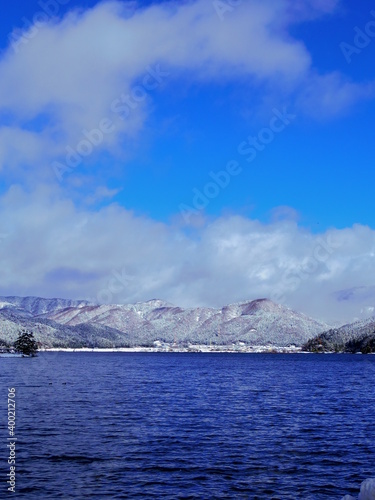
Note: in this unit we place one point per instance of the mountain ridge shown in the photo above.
(67, 323)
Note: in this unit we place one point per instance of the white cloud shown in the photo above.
(69, 75)
(301, 10)
(101, 193)
(54, 249)
(20, 147)
(331, 94)
(79, 65)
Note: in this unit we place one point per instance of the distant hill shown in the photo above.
(354, 337)
(66, 323)
(51, 334)
(34, 306)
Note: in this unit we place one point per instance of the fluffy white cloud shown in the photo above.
(77, 67)
(105, 63)
(51, 248)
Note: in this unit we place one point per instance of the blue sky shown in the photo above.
(225, 71)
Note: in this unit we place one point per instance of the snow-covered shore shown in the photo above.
(177, 348)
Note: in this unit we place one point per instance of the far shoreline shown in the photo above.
(191, 349)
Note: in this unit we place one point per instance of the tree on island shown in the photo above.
(26, 344)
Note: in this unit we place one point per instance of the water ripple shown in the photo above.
(193, 426)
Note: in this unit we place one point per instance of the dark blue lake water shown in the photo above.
(189, 426)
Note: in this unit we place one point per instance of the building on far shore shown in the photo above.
(6, 350)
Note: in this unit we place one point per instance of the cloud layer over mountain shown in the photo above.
(51, 248)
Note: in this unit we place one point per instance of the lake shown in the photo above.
(189, 425)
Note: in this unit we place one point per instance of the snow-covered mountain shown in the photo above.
(34, 306)
(60, 322)
(353, 337)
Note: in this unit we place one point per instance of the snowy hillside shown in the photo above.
(60, 322)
